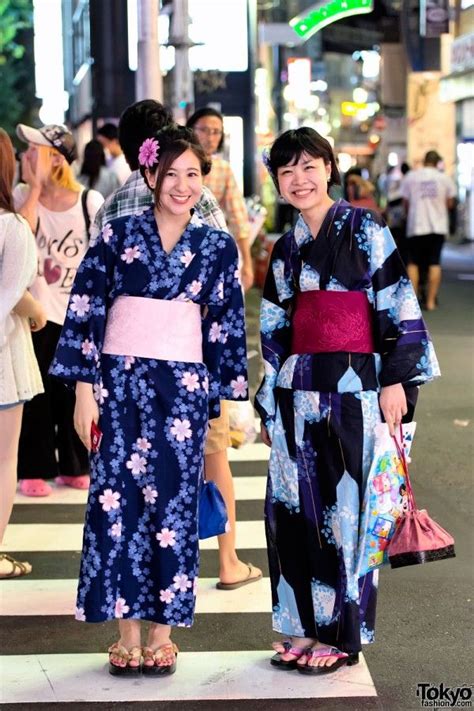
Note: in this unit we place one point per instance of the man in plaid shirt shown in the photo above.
(138, 122)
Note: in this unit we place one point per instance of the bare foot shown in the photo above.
(296, 643)
(11, 568)
(323, 661)
(238, 572)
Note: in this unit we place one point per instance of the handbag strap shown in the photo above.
(402, 456)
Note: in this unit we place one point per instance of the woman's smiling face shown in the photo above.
(304, 184)
(182, 185)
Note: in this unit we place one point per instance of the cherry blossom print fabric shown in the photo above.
(140, 550)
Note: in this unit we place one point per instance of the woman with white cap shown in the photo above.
(59, 212)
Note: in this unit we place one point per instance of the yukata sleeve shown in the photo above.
(275, 330)
(223, 333)
(80, 345)
(406, 349)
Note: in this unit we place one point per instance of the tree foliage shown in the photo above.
(17, 87)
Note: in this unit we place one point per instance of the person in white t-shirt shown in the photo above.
(108, 136)
(428, 195)
(59, 212)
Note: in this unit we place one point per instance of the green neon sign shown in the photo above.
(324, 13)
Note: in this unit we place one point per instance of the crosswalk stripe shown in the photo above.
(246, 488)
(33, 606)
(57, 597)
(202, 676)
(68, 537)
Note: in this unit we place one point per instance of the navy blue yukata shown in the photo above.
(320, 410)
(140, 553)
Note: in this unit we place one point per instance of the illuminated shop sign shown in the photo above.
(324, 13)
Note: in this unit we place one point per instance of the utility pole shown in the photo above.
(148, 80)
(183, 94)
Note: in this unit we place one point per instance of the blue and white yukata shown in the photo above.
(140, 550)
(320, 410)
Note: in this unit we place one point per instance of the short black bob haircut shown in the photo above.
(174, 141)
(203, 112)
(288, 148)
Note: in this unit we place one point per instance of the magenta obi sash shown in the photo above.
(330, 321)
(154, 328)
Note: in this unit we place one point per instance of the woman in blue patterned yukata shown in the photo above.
(344, 344)
(154, 338)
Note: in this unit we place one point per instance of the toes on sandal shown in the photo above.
(127, 655)
(166, 653)
(342, 659)
(297, 652)
(18, 568)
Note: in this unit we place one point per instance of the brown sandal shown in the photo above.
(166, 654)
(18, 568)
(127, 655)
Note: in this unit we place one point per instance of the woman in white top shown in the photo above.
(59, 211)
(20, 313)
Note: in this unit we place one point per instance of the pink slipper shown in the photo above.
(76, 482)
(35, 487)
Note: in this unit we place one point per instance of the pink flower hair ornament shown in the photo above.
(148, 153)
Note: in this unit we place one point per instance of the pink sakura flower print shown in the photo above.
(205, 384)
(79, 614)
(220, 290)
(239, 386)
(137, 464)
(109, 500)
(107, 232)
(150, 494)
(87, 347)
(80, 304)
(195, 287)
(190, 381)
(237, 277)
(181, 582)
(215, 332)
(121, 607)
(148, 153)
(116, 530)
(166, 596)
(100, 393)
(181, 429)
(129, 361)
(187, 257)
(166, 538)
(143, 444)
(130, 254)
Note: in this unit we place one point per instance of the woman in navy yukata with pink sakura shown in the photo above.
(154, 338)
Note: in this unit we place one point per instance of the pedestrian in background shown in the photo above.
(108, 136)
(59, 211)
(209, 126)
(148, 276)
(94, 172)
(429, 195)
(326, 386)
(20, 313)
(137, 123)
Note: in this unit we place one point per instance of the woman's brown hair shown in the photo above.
(7, 172)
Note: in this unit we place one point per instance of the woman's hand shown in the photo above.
(393, 403)
(86, 411)
(38, 318)
(265, 436)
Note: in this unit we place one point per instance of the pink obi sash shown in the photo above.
(154, 328)
(330, 321)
